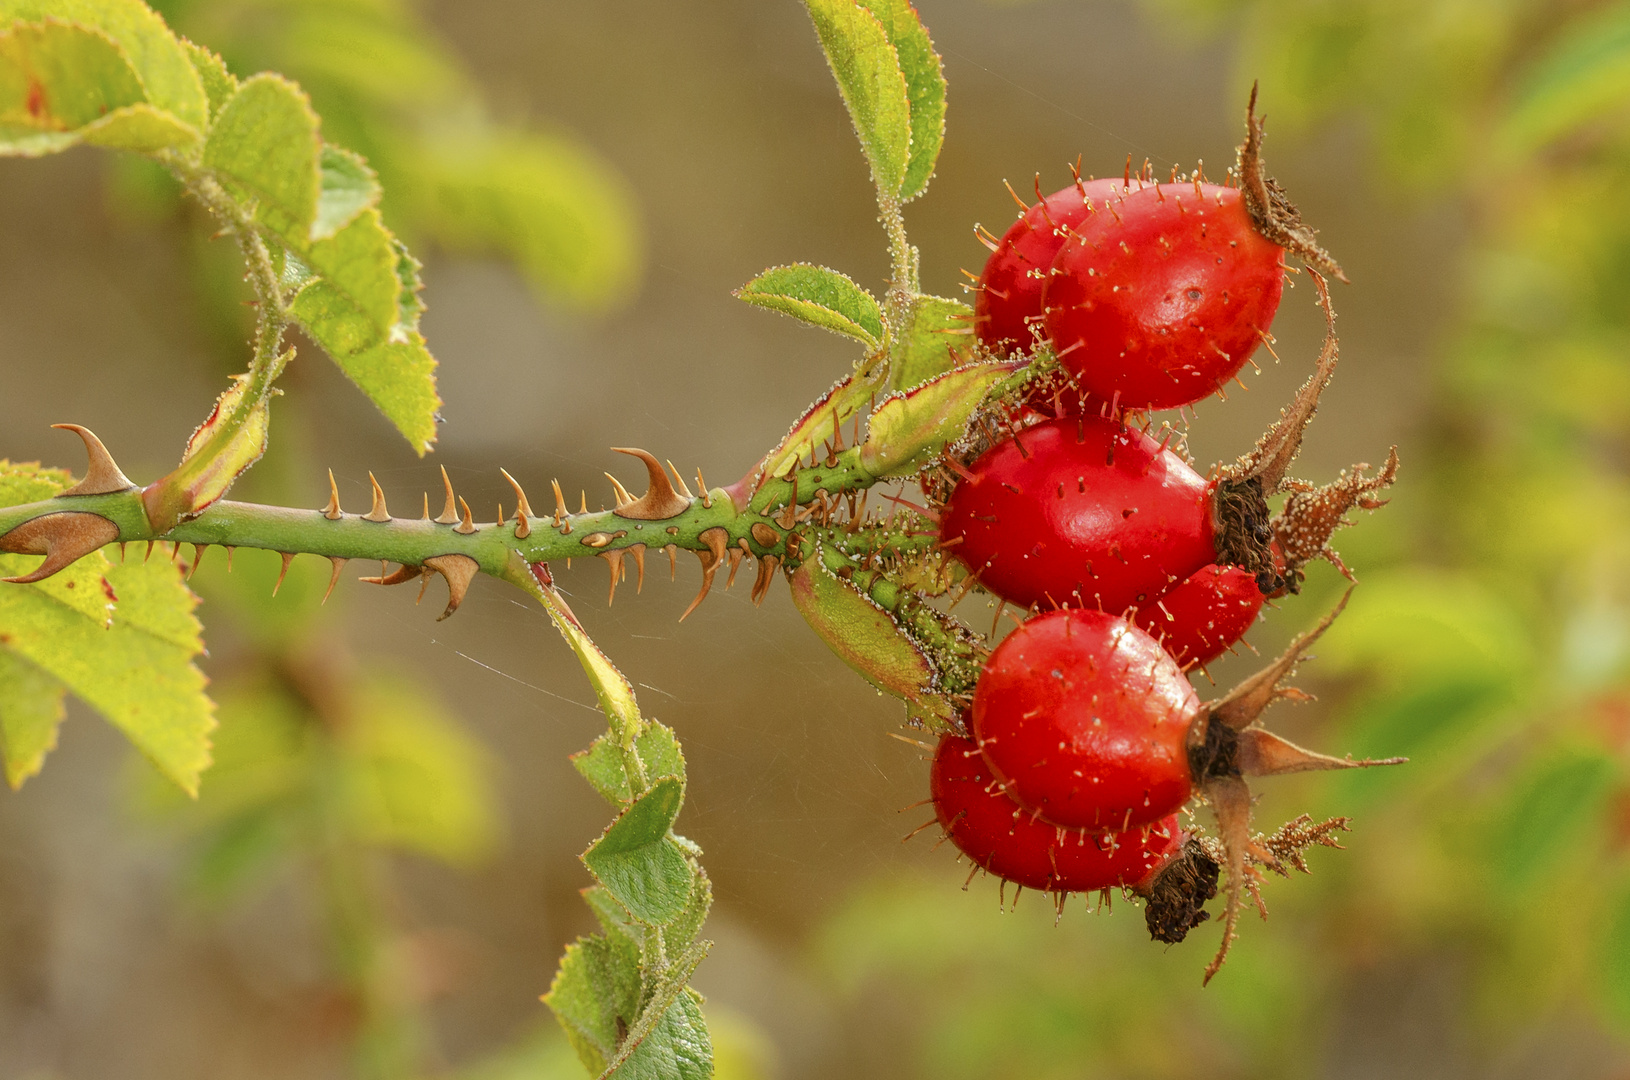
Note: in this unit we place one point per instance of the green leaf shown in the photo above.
(30, 711)
(264, 144)
(219, 84)
(688, 923)
(348, 188)
(864, 636)
(830, 411)
(595, 998)
(415, 778)
(1548, 813)
(925, 86)
(677, 1048)
(602, 765)
(168, 79)
(564, 216)
(820, 296)
(638, 862)
(140, 129)
(54, 80)
(872, 84)
(935, 340)
(1582, 77)
(909, 429)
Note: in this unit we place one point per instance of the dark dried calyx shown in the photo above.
(1179, 893)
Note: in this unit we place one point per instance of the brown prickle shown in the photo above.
(680, 480)
(623, 497)
(63, 539)
(523, 528)
(449, 510)
(1242, 705)
(402, 573)
(102, 475)
(467, 526)
(638, 551)
(660, 500)
(701, 486)
(332, 511)
(334, 577)
(737, 553)
(459, 570)
(1271, 210)
(673, 561)
(288, 557)
(715, 538)
(377, 512)
(766, 574)
(614, 559)
(561, 523)
(197, 557)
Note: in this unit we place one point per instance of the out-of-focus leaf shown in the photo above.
(168, 79)
(264, 143)
(933, 342)
(1582, 77)
(219, 84)
(1614, 956)
(30, 712)
(55, 79)
(141, 129)
(415, 778)
(872, 84)
(925, 86)
(1548, 812)
(820, 296)
(637, 861)
(565, 216)
(135, 668)
(372, 50)
(348, 188)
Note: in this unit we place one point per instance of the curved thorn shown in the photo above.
(377, 512)
(63, 539)
(523, 528)
(402, 573)
(459, 570)
(766, 575)
(623, 497)
(334, 578)
(102, 475)
(449, 510)
(288, 557)
(467, 526)
(614, 559)
(660, 500)
(673, 561)
(638, 551)
(715, 539)
(737, 553)
(332, 511)
(560, 506)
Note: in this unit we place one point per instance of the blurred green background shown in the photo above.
(381, 872)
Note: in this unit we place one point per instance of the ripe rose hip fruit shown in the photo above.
(1085, 719)
(1161, 301)
(1079, 511)
(1008, 841)
(1200, 617)
(1007, 306)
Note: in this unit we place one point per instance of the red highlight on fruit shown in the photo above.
(1080, 512)
(1005, 840)
(1086, 720)
(1161, 301)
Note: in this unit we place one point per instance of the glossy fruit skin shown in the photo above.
(1007, 306)
(998, 835)
(1202, 616)
(1162, 301)
(1085, 719)
(1080, 511)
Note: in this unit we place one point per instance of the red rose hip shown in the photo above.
(1008, 841)
(1007, 306)
(1162, 300)
(1080, 512)
(1085, 719)
(1202, 616)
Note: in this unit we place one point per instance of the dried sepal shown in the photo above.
(1271, 210)
(1311, 515)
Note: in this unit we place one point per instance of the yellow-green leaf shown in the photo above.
(30, 711)
(819, 296)
(867, 69)
(54, 80)
(925, 86)
(264, 144)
